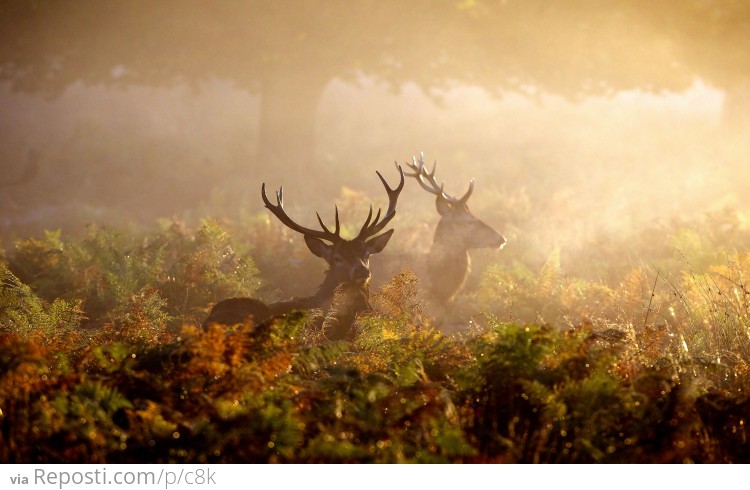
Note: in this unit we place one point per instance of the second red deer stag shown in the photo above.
(348, 272)
(457, 232)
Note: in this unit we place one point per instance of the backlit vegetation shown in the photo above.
(587, 356)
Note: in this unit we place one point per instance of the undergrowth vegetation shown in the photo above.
(102, 358)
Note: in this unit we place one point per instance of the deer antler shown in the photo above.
(368, 229)
(427, 180)
(371, 229)
(278, 210)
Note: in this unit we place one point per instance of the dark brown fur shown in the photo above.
(348, 272)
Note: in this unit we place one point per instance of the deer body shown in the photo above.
(348, 272)
(234, 311)
(447, 270)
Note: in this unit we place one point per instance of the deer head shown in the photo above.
(348, 260)
(458, 228)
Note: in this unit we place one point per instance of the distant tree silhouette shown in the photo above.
(289, 50)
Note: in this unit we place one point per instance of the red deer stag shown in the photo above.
(457, 232)
(349, 269)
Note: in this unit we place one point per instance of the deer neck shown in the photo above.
(341, 303)
(324, 297)
(449, 266)
(331, 287)
(342, 310)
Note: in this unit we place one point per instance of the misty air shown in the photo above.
(383, 232)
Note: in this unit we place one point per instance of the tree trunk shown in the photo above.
(286, 143)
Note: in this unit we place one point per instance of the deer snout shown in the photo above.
(501, 241)
(360, 274)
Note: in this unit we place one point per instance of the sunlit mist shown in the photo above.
(575, 122)
(358, 231)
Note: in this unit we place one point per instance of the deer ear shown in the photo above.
(377, 244)
(443, 205)
(319, 247)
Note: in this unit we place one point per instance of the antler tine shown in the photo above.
(466, 196)
(368, 229)
(430, 176)
(426, 179)
(367, 221)
(278, 210)
(338, 225)
(392, 193)
(416, 167)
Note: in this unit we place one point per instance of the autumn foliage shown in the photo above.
(102, 360)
